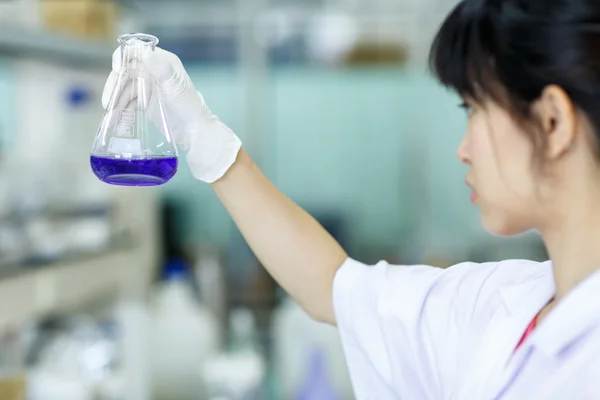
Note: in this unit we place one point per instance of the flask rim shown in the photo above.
(143, 39)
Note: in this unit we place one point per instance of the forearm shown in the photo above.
(295, 249)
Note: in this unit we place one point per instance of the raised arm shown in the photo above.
(295, 249)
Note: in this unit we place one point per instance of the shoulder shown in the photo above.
(500, 272)
(354, 275)
(412, 290)
(466, 283)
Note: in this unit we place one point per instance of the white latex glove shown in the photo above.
(210, 146)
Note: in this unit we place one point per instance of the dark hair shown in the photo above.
(510, 50)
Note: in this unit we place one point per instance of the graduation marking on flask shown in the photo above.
(126, 122)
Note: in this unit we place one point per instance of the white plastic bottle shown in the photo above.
(304, 349)
(238, 373)
(132, 380)
(184, 336)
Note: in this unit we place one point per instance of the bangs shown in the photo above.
(462, 53)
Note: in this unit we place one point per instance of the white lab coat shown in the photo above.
(418, 332)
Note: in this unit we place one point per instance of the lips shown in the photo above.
(473, 192)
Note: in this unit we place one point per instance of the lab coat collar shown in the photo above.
(524, 300)
(572, 318)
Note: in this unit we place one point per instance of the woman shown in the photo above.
(529, 74)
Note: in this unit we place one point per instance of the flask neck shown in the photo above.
(132, 54)
(133, 47)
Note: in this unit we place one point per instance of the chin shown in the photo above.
(504, 226)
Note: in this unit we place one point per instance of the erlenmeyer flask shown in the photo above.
(133, 146)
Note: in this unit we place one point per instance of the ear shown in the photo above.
(558, 119)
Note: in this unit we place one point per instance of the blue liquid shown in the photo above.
(146, 171)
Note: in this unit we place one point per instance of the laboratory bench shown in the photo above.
(124, 268)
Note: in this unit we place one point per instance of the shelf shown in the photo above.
(63, 286)
(72, 284)
(55, 47)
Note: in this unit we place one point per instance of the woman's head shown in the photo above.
(529, 73)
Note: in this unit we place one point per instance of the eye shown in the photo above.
(467, 107)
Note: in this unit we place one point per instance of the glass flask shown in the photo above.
(133, 145)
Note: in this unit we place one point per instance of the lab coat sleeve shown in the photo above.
(406, 325)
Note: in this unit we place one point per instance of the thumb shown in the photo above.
(117, 59)
(109, 88)
(111, 82)
(160, 64)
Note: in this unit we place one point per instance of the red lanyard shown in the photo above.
(530, 328)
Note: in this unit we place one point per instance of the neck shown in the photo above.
(572, 242)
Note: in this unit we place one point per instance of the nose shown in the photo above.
(462, 152)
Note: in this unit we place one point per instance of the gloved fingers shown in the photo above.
(121, 92)
(112, 81)
(117, 56)
(156, 114)
(109, 88)
(159, 63)
(128, 94)
(169, 72)
(116, 59)
(111, 95)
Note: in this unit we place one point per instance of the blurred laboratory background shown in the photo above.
(114, 293)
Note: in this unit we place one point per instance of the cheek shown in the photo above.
(502, 163)
(514, 151)
(484, 154)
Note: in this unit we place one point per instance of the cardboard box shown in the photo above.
(13, 388)
(95, 19)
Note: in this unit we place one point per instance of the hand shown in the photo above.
(210, 146)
